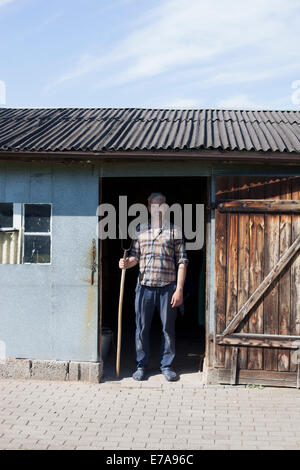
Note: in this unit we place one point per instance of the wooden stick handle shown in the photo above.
(120, 317)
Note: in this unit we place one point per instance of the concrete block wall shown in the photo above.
(51, 370)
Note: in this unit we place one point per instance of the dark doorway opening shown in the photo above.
(190, 325)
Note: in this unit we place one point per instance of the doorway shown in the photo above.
(190, 322)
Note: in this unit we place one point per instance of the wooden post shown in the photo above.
(234, 363)
(120, 317)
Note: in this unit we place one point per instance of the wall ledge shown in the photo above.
(37, 369)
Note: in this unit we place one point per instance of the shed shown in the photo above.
(59, 282)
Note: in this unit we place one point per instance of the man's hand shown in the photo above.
(177, 298)
(125, 263)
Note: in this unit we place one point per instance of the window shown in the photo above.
(25, 233)
(37, 233)
(10, 233)
(6, 215)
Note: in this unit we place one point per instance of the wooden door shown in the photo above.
(257, 279)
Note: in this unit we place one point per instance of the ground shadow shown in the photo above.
(188, 360)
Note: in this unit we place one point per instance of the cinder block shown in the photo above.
(49, 370)
(86, 371)
(15, 368)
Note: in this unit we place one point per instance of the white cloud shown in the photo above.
(86, 64)
(236, 75)
(239, 101)
(4, 2)
(182, 103)
(178, 34)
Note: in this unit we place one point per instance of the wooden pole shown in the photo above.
(120, 317)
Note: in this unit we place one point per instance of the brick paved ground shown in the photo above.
(148, 415)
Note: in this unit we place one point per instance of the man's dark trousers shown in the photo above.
(146, 299)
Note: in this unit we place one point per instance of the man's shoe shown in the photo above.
(139, 374)
(170, 375)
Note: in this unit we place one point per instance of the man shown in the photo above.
(160, 251)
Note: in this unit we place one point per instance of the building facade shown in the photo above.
(53, 166)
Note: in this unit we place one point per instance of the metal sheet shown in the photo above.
(148, 129)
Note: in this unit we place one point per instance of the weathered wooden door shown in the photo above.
(257, 280)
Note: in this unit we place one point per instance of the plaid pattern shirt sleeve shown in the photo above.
(180, 252)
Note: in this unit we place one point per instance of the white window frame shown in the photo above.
(48, 234)
(17, 217)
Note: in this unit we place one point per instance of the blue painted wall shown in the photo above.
(50, 312)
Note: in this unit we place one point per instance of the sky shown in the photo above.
(224, 54)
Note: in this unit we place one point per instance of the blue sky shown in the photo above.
(148, 53)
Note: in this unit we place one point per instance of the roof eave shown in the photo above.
(157, 155)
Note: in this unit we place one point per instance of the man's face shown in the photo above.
(153, 206)
(157, 209)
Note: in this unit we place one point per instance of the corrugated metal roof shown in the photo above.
(107, 129)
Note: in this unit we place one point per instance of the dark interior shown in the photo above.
(190, 326)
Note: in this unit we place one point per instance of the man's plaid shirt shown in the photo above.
(159, 252)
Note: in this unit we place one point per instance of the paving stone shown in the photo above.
(75, 415)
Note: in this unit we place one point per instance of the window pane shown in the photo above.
(6, 215)
(36, 249)
(37, 217)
